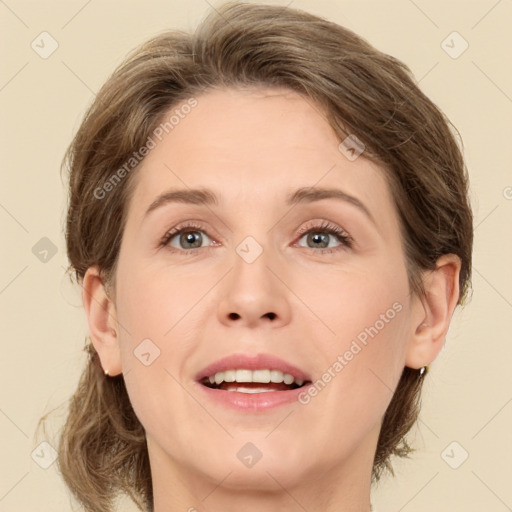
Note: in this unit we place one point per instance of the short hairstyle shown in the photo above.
(362, 91)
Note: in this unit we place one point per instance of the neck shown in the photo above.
(337, 488)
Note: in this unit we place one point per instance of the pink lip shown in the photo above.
(252, 401)
(252, 362)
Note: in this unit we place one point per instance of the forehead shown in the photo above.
(254, 145)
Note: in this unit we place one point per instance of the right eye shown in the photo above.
(184, 234)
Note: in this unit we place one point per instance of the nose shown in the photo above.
(254, 294)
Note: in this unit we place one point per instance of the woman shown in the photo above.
(271, 225)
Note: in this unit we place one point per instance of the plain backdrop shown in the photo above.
(464, 436)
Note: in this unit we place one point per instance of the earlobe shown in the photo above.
(101, 317)
(433, 312)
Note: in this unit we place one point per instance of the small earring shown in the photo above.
(423, 370)
(106, 373)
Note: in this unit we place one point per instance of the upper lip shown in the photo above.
(252, 362)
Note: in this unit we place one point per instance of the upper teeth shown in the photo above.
(263, 376)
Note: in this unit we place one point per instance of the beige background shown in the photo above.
(468, 395)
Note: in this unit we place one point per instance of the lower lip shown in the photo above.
(252, 401)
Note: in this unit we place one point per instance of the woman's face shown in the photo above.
(259, 275)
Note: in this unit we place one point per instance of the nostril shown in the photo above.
(234, 316)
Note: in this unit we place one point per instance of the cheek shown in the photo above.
(152, 304)
(159, 313)
(359, 371)
(150, 310)
(360, 364)
(362, 303)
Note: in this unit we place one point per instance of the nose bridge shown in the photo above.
(253, 292)
(255, 246)
(251, 262)
(252, 238)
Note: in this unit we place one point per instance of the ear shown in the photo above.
(433, 312)
(102, 320)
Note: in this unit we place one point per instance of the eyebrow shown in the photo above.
(206, 197)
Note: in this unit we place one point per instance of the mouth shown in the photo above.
(253, 381)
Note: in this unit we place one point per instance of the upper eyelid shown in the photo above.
(310, 226)
(315, 224)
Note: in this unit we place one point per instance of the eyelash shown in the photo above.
(326, 227)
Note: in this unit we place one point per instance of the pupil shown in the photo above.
(318, 238)
(189, 238)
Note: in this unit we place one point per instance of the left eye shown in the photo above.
(321, 235)
(320, 239)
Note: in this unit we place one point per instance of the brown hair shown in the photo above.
(363, 92)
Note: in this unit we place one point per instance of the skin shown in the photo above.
(252, 148)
